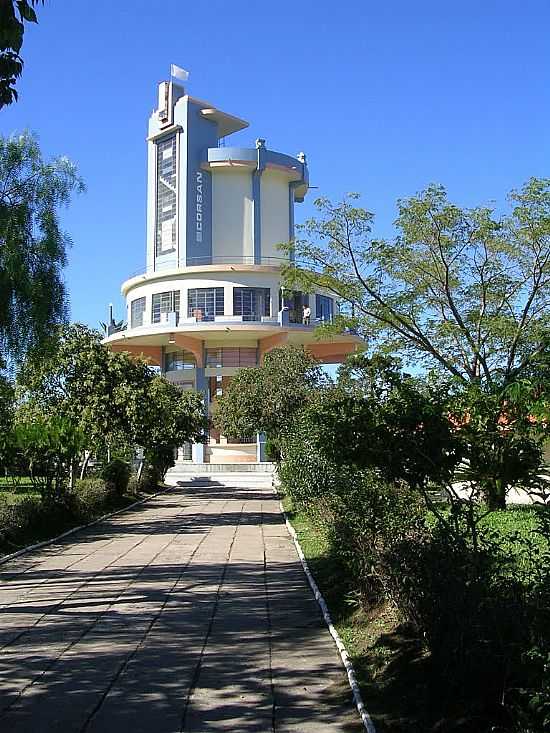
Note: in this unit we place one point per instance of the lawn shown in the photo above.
(14, 490)
(387, 657)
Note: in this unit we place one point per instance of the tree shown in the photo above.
(32, 244)
(463, 290)
(168, 418)
(116, 400)
(266, 398)
(13, 16)
(6, 418)
(377, 417)
(49, 447)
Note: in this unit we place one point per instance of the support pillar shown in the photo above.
(197, 453)
(261, 439)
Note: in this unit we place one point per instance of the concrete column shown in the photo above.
(201, 385)
(261, 439)
(197, 453)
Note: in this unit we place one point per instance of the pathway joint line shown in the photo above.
(269, 627)
(346, 661)
(99, 616)
(197, 671)
(131, 654)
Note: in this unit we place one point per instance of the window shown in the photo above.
(205, 303)
(295, 301)
(231, 357)
(164, 303)
(166, 196)
(251, 303)
(177, 360)
(324, 308)
(137, 309)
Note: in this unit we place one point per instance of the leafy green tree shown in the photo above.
(75, 376)
(50, 446)
(32, 244)
(266, 398)
(463, 290)
(168, 418)
(115, 399)
(13, 16)
(7, 408)
(502, 441)
(377, 417)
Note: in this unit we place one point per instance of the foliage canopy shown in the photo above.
(464, 290)
(33, 246)
(13, 16)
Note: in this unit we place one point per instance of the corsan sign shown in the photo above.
(198, 209)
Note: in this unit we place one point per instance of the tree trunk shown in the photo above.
(496, 495)
(85, 462)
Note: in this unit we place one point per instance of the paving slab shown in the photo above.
(188, 614)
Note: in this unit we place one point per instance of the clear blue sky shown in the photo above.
(384, 97)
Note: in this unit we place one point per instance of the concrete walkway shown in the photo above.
(190, 613)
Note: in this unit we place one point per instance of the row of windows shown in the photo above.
(217, 358)
(166, 219)
(205, 304)
(231, 357)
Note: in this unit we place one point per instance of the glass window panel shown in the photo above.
(168, 302)
(178, 360)
(231, 357)
(251, 303)
(205, 303)
(166, 196)
(324, 308)
(137, 309)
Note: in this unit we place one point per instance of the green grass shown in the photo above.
(388, 659)
(14, 490)
(392, 666)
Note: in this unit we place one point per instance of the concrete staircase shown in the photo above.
(243, 474)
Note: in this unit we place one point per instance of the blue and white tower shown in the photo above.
(209, 300)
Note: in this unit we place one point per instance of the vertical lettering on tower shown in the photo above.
(199, 183)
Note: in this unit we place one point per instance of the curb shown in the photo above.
(45, 543)
(346, 661)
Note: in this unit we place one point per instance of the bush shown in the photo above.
(160, 460)
(134, 486)
(150, 478)
(363, 515)
(93, 495)
(483, 607)
(117, 474)
(31, 520)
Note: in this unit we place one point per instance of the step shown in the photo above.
(196, 469)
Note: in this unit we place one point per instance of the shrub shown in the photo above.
(363, 514)
(160, 460)
(150, 478)
(31, 520)
(93, 495)
(134, 485)
(117, 474)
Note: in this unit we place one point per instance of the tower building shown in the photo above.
(210, 299)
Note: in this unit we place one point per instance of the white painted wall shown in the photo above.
(183, 282)
(232, 215)
(274, 211)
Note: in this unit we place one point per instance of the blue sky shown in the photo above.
(383, 97)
